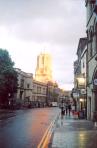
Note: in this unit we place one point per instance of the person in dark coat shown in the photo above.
(69, 108)
(66, 109)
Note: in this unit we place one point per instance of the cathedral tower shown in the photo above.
(44, 68)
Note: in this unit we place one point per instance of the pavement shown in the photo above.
(74, 133)
(4, 113)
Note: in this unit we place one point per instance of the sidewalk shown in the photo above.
(74, 133)
(4, 113)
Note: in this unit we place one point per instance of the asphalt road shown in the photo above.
(26, 128)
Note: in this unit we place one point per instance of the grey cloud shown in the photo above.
(17, 10)
(43, 21)
(48, 30)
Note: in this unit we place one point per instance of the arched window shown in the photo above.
(91, 40)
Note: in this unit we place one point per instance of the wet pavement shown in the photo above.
(26, 128)
(4, 114)
(74, 133)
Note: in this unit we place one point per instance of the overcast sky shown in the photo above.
(27, 27)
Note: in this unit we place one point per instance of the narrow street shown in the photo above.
(26, 128)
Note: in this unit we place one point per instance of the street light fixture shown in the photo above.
(81, 82)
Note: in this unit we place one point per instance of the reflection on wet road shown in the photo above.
(26, 129)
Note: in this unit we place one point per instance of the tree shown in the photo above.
(8, 77)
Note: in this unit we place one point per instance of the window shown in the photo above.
(28, 85)
(22, 83)
(91, 49)
(83, 64)
(91, 40)
(38, 89)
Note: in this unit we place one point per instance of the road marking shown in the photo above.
(47, 135)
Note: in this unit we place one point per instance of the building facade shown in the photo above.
(45, 93)
(79, 91)
(25, 88)
(39, 96)
(91, 29)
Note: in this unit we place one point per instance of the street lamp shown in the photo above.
(81, 82)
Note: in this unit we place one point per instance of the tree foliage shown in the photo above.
(8, 76)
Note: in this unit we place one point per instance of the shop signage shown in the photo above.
(83, 91)
(95, 81)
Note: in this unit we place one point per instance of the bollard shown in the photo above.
(75, 115)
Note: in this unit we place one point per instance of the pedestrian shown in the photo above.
(73, 109)
(62, 108)
(69, 108)
(66, 109)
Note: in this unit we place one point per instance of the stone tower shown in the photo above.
(43, 71)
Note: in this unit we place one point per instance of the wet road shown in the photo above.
(26, 129)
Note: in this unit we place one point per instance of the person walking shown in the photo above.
(66, 108)
(69, 109)
(62, 108)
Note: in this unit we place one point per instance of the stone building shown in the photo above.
(25, 87)
(52, 92)
(79, 91)
(43, 78)
(39, 93)
(78, 63)
(43, 71)
(44, 93)
(91, 29)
